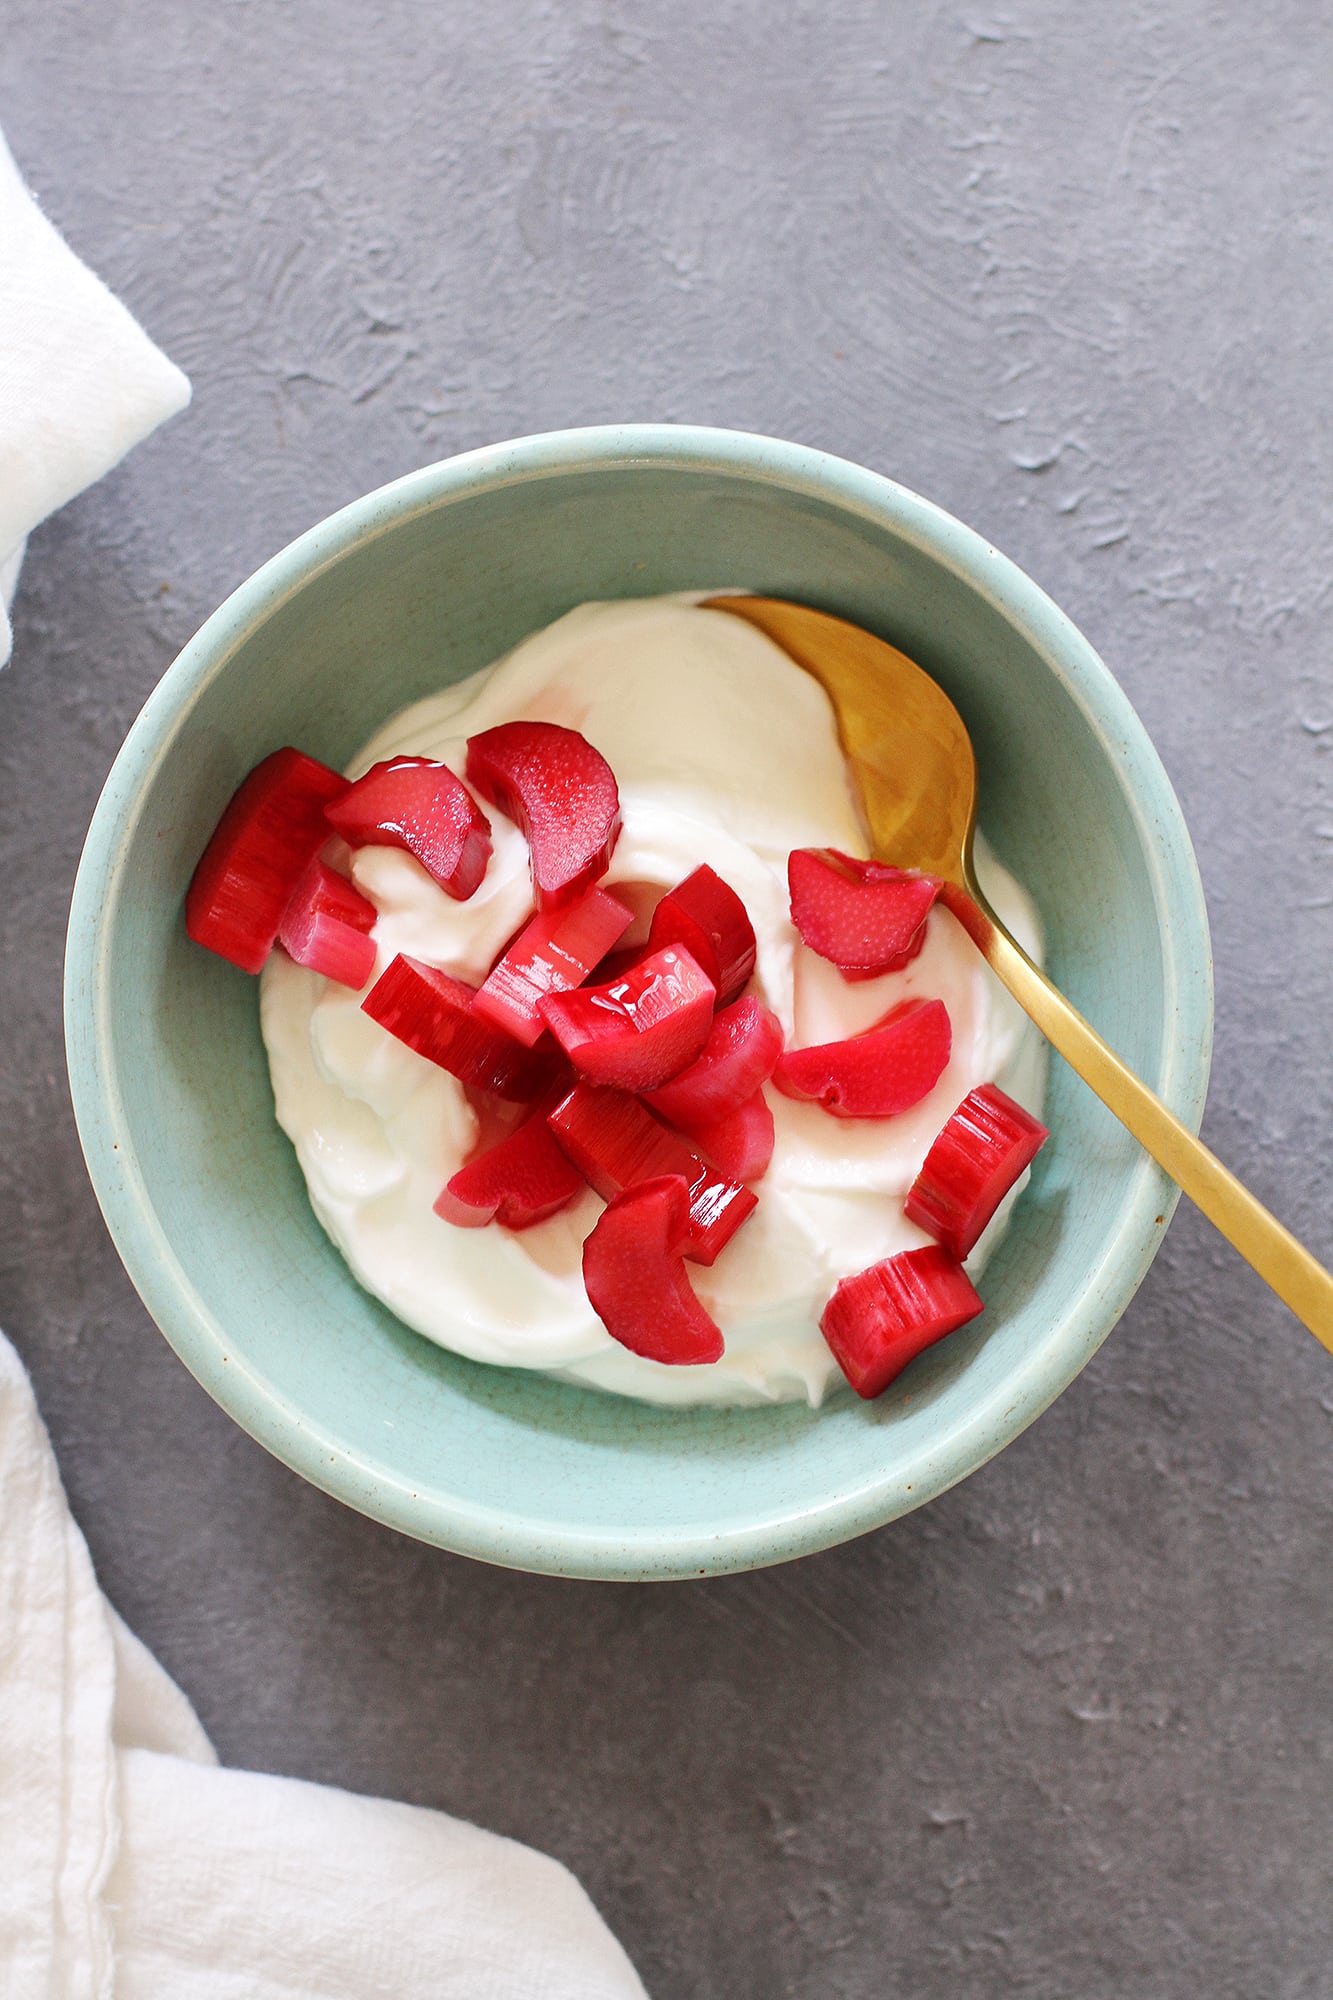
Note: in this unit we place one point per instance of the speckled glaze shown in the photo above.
(424, 581)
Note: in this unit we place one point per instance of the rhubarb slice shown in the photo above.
(519, 1182)
(639, 1030)
(742, 1049)
(877, 1074)
(741, 1144)
(325, 927)
(864, 916)
(636, 1279)
(416, 803)
(265, 840)
(705, 915)
(615, 1144)
(552, 954)
(971, 1167)
(562, 794)
(879, 1320)
(433, 1013)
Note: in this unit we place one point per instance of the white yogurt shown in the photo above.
(725, 752)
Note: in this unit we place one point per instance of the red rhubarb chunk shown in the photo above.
(562, 794)
(639, 1030)
(971, 1167)
(325, 927)
(523, 1180)
(705, 915)
(864, 916)
(637, 1281)
(433, 1014)
(552, 954)
(738, 1058)
(741, 1144)
(415, 803)
(877, 1074)
(265, 840)
(616, 1143)
(881, 1319)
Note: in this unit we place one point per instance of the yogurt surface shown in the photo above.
(725, 752)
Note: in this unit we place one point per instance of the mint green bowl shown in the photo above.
(410, 588)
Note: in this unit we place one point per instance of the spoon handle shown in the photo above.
(1280, 1260)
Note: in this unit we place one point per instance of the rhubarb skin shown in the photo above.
(985, 1146)
(741, 1143)
(270, 832)
(865, 917)
(707, 918)
(616, 1143)
(879, 1320)
(418, 804)
(552, 954)
(560, 792)
(326, 924)
(888, 1069)
(432, 1013)
(636, 1279)
(644, 1027)
(523, 1180)
(738, 1058)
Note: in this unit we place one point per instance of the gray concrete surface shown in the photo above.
(1067, 271)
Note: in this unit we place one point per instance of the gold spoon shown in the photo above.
(915, 768)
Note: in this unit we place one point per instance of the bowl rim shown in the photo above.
(512, 1538)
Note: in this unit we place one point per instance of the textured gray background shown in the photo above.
(1067, 271)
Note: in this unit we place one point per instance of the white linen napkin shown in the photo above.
(80, 381)
(131, 1866)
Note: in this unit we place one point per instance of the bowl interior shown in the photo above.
(422, 584)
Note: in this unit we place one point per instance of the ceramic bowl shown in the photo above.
(425, 581)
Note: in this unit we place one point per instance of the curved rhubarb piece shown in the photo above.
(738, 1058)
(326, 924)
(879, 1320)
(519, 1182)
(705, 915)
(432, 1012)
(270, 832)
(639, 1030)
(877, 1074)
(552, 954)
(562, 794)
(971, 1167)
(615, 1144)
(863, 916)
(741, 1144)
(416, 803)
(637, 1282)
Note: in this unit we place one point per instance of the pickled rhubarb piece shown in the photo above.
(864, 916)
(741, 1144)
(639, 1030)
(325, 924)
(887, 1069)
(743, 1047)
(705, 915)
(432, 1012)
(265, 840)
(562, 794)
(616, 1143)
(552, 954)
(637, 1282)
(881, 1319)
(519, 1182)
(416, 803)
(971, 1167)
